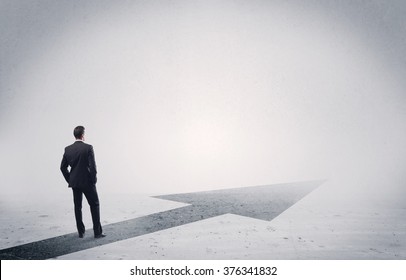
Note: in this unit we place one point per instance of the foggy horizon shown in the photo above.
(186, 96)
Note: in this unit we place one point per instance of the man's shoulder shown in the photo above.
(78, 145)
(87, 145)
(69, 146)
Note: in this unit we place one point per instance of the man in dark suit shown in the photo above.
(82, 179)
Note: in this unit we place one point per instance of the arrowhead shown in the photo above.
(262, 202)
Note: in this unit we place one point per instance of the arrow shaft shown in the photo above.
(70, 243)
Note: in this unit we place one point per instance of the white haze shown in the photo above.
(181, 96)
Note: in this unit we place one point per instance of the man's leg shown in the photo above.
(93, 200)
(77, 200)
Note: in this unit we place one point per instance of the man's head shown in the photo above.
(79, 132)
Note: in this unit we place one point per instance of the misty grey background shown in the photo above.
(183, 96)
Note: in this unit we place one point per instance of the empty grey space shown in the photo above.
(182, 97)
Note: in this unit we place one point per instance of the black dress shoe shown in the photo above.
(101, 235)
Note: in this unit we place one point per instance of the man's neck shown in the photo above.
(79, 140)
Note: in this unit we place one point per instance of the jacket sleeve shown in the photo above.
(64, 168)
(92, 166)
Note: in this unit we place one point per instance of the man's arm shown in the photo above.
(64, 168)
(92, 166)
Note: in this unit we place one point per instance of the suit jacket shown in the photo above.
(80, 157)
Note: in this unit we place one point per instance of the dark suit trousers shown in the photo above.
(93, 200)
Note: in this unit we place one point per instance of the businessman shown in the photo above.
(82, 179)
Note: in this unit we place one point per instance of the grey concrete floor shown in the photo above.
(312, 228)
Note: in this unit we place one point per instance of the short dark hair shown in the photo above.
(78, 132)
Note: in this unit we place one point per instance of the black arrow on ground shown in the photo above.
(263, 202)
